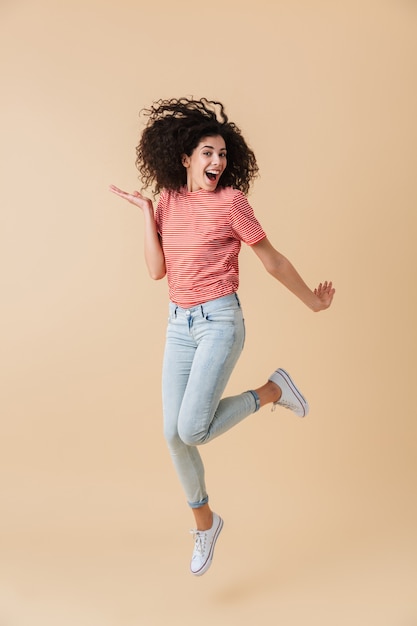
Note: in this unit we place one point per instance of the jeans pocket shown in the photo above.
(224, 316)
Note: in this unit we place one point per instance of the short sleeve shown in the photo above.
(244, 222)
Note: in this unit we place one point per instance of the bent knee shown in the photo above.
(191, 437)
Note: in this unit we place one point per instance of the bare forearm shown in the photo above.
(280, 268)
(284, 271)
(154, 255)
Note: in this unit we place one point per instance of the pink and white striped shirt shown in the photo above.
(201, 235)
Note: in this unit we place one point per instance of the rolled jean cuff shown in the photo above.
(197, 505)
(256, 398)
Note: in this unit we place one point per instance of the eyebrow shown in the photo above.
(212, 148)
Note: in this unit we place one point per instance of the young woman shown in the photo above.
(199, 163)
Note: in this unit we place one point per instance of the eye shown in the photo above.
(207, 153)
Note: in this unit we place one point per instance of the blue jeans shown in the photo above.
(203, 344)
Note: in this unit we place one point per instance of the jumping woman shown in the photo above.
(201, 167)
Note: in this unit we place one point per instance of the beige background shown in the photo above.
(320, 515)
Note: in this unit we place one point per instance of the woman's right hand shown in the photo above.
(135, 198)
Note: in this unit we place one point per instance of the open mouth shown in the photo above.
(212, 176)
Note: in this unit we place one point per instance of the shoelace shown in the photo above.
(200, 538)
(286, 405)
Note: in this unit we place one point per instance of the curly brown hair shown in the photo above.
(174, 128)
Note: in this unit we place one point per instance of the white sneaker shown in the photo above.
(291, 397)
(204, 543)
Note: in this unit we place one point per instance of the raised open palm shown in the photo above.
(135, 197)
(325, 292)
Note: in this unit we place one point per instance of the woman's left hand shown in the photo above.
(324, 292)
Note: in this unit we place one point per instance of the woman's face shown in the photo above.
(206, 164)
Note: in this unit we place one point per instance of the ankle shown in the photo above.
(203, 518)
(270, 392)
(275, 390)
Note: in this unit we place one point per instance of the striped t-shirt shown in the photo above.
(201, 234)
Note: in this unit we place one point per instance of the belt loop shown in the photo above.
(237, 299)
(202, 310)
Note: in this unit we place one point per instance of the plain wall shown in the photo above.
(320, 514)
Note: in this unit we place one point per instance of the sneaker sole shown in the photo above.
(203, 569)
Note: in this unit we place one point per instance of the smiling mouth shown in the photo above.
(212, 176)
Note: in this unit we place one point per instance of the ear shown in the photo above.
(185, 160)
